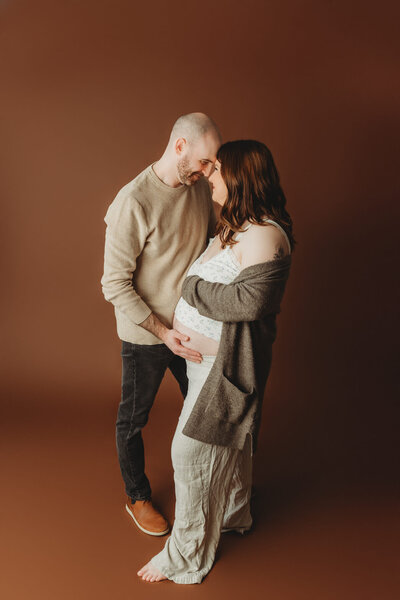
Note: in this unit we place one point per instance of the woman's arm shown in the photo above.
(258, 295)
(220, 301)
(249, 299)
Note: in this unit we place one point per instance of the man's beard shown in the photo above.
(185, 174)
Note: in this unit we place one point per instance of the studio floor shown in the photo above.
(66, 535)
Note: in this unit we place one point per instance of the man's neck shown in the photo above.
(166, 173)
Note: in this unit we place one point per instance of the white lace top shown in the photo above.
(223, 267)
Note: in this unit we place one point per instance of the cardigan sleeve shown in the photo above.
(232, 302)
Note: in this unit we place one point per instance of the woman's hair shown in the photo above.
(254, 190)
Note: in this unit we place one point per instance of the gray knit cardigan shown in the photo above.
(229, 404)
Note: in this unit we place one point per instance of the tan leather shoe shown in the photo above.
(146, 517)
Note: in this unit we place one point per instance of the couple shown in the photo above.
(200, 298)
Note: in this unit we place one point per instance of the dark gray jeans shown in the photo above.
(143, 367)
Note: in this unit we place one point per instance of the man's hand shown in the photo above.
(171, 338)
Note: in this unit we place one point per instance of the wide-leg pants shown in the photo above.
(212, 489)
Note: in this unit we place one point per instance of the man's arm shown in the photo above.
(126, 235)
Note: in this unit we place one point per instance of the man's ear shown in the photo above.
(180, 145)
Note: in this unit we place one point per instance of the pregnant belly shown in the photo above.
(199, 342)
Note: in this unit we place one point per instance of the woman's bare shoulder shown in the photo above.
(262, 243)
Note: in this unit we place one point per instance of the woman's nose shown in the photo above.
(211, 173)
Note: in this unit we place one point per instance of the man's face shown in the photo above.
(197, 160)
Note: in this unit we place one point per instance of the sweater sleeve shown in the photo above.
(126, 234)
(232, 302)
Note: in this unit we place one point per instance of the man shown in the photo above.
(157, 225)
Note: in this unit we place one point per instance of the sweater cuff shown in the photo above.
(139, 312)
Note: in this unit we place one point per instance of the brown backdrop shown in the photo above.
(90, 91)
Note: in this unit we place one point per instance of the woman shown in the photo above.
(228, 308)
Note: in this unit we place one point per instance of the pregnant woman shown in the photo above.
(230, 299)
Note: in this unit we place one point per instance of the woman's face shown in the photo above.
(219, 189)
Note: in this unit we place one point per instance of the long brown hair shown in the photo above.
(254, 190)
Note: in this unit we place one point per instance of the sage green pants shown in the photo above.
(212, 489)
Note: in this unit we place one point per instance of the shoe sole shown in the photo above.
(156, 533)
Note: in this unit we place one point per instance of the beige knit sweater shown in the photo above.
(154, 233)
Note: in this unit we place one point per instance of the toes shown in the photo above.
(143, 571)
(150, 573)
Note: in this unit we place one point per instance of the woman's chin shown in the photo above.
(218, 200)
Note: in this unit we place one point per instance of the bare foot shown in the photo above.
(150, 573)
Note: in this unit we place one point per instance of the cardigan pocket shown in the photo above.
(232, 404)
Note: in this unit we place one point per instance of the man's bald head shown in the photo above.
(193, 127)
